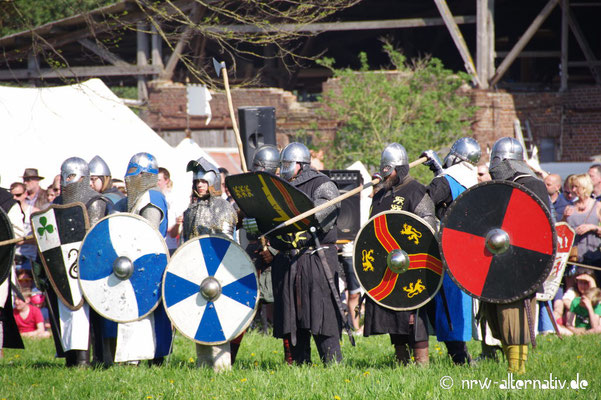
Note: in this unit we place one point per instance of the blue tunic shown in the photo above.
(162, 325)
(460, 304)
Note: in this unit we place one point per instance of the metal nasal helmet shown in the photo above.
(506, 148)
(292, 154)
(142, 162)
(392, 156)
(267, 158)
(73, 169)
(98, 167)
(464, 149)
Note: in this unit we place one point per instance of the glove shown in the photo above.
(250, 225)
(433, 161)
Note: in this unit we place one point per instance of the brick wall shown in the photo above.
(572, 119)
(167, 110)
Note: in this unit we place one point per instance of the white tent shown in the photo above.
(41, 127)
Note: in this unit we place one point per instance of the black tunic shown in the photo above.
(11, 337)
(302, 296)
(405, 196)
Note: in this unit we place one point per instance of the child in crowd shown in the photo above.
(585, 310)
(29, 319)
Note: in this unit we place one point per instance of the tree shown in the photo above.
(193, 29)
(420, 106)
(19, 15)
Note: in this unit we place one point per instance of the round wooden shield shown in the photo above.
(210, 290)
(384, 235)
(7, 252)
(498, 242)
(121, 264)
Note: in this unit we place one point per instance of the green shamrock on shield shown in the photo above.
(44, 227)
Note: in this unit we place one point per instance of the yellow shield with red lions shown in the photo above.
(397, 260)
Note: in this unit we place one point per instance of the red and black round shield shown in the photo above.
(498, 242)
(380, 244)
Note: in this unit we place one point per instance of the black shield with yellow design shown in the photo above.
(397, 260)
(271, 201)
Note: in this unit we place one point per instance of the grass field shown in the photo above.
(367, 372)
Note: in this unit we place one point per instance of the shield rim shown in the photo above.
(256, 307)
(301, 193)
(547, 213)
(11, 256)
(417, 217)
(46, 269)
(128, 215)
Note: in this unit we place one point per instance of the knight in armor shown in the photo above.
(101, 180)
(9, 333)
(399, 191)
(145, 199)
(509, 322)
(455, 175)
(266, 159)
(304, 291)
(77, 328)
(210, 214)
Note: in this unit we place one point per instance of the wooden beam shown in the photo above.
(341, 26)
(90, 29)
(468, 62)
(102, 52)
(33, 63)
(482, 43)
(565, 31)
(533, 54)
(78, 72)
(156, 48)
(491, 39)
(167, 73)
(523, 41)
(142, 54)
(589, 64)
(586, 49)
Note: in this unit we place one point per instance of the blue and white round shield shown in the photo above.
(121, 264)
(210, 290)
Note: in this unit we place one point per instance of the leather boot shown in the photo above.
(421, 356)
(158, 361)
(401, 351)
(70, 358)
(82, 358)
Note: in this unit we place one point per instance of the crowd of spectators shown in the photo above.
(577, 201)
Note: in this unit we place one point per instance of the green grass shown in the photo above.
(367, 372)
